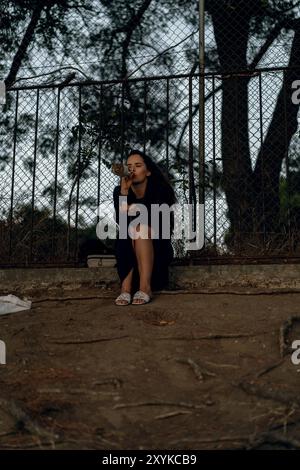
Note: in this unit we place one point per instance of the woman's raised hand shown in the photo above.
(126, 182)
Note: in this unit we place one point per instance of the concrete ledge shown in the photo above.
(274, 276)
(264, 276)
(27, 280)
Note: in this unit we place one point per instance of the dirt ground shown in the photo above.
(187, 371)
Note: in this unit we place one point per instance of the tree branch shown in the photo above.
(162, 53)
(257, 58)
(129, 29)
(22, 50)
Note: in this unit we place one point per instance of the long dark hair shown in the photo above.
(158, 187)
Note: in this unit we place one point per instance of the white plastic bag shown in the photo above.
(11, 303)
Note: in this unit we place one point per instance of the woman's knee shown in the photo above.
(142, 232)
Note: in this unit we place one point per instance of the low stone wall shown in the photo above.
(271, 276)
(263, 276)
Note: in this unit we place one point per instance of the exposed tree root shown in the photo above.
(283, 334)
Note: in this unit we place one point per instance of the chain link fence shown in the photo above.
(87, 81)
(58, 145)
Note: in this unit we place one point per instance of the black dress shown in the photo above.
(125, 255)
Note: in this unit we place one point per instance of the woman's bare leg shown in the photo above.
(145, 258)
(126, 285)
(144, 252)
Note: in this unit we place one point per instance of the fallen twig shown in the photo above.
(89, 341)
(172, 414)
(158, 403)
(114, 381)
(214, 364)
(199, 373)
(31, 445)
(251, 442)
(217, 336)
(211, 441)
(74, 391)
(284, 425)
(268, 368)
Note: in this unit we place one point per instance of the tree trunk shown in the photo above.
(252, 196)
(275, 147)
(232, 46)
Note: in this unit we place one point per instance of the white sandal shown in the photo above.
(124, 296)
(143, 296)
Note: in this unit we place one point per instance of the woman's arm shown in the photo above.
(118, 191)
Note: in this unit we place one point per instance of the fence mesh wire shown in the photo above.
(89, 81)
(63, 141)
(111, 39)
